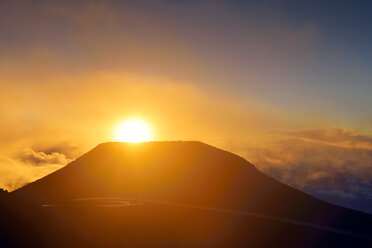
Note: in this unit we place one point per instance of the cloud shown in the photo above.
(15, 173)
(334, 164)
(31, 157)
(30, 164)
(150, 37)
(336, 136)
(67, 149)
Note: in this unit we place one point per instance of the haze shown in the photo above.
(285, 86)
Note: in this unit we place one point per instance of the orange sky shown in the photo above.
(262, 88)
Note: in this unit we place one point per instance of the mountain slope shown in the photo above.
(186, 173)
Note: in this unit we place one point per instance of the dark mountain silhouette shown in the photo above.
(178, 194)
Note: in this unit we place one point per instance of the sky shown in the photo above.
(285, 84)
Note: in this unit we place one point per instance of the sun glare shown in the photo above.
(133, 130)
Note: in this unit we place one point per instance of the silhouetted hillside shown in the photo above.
(181, 180)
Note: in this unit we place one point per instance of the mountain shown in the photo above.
(180, 194)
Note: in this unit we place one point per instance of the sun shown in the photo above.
(133, 130)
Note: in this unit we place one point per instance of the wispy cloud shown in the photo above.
(31, 157)
(15, 173)
(336, 136)
(29, 164)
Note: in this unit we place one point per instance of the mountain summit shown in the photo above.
(188, 175)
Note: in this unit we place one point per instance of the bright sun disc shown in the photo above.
(133, 130)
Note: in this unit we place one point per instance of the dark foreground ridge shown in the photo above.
(172, 194)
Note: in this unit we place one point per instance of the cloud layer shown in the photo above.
(30, 164)
(334, 164)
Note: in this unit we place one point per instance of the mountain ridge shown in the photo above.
(187, 172)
